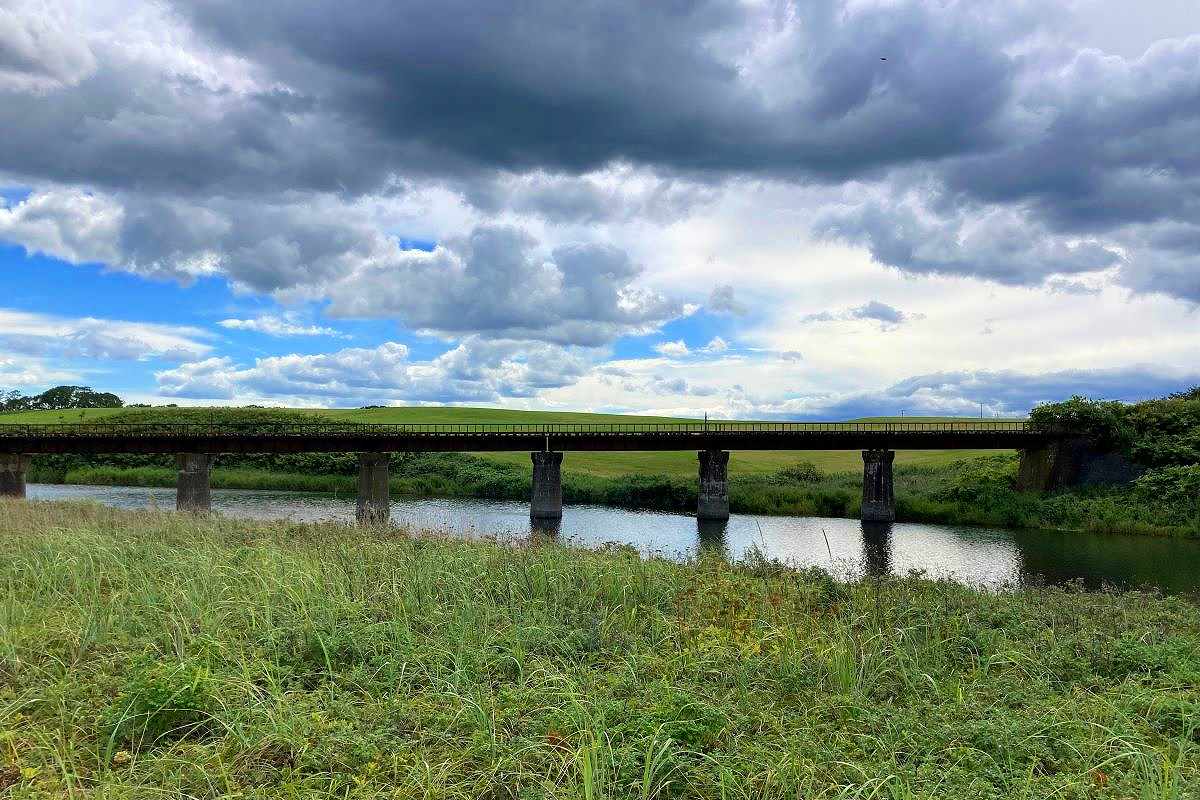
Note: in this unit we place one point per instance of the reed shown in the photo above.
(155, 654)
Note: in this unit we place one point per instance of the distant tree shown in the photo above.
(1187, 394)
(13, 400)
(58, 398)
(61, 397)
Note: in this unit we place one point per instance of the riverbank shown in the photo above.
(146, 652)
(969, 491)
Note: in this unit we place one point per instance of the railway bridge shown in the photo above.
(196, 445)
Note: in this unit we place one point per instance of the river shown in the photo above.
(988, 557)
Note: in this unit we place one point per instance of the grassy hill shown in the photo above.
(747, 463)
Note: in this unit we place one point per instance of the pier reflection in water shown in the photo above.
(877, 548)
(847, 548)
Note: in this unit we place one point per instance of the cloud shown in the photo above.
(39, 50)
(1098, 170)
(476, 370)
(675, 349)
(888, 316)
(960, 393)
(71, 225)
(240, 138)
(25, 372)
(498, 281)
(722, 301)
(679, 348)
(37, 334)
(570, 89)
(279, 326)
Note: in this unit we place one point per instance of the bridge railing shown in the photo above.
(220, 429)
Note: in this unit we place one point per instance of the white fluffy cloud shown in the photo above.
(474, 371)
(274, 325)
(104, 339)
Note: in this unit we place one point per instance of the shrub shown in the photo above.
(160, 702)
(800, 472)
(1178, 486)
(978, 479)
(1105, 421)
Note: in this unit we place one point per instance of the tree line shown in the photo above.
(58, 398)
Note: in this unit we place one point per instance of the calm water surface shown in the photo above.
(978, 556)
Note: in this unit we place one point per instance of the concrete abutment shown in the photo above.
(1073, 461)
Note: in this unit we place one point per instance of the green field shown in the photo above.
(147, 655)
(744, 463)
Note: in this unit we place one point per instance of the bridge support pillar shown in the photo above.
(546, 501)
(712, 501)
(878, 501)
(192, 492)
(374, 506)
(13, 467)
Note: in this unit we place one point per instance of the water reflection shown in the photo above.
(877, 548)
(847, 548)
(710, 537)
(545, 529)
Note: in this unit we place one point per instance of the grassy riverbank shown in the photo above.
(145, 654)
(957, 487)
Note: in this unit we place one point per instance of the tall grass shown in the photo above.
(146, 654)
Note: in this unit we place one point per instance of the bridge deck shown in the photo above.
(341, 437)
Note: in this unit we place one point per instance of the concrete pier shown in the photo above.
(374, 498)
(878, 501)
(546, 501)
(713, 499)
(13, 467)
(192, 491)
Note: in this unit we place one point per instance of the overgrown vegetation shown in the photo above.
(1161, 435)
(151, 654)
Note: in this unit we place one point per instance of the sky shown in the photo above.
(816, 209)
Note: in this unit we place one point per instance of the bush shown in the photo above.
(978, 480)
(1178, 486)
(800, 472)
(1105, 421)
(160, 702)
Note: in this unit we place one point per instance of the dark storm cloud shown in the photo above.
(575, 86)
(129, 127)
(978, 150)
(1100, 169)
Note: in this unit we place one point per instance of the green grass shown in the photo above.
(159, 655)
(680, 464)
